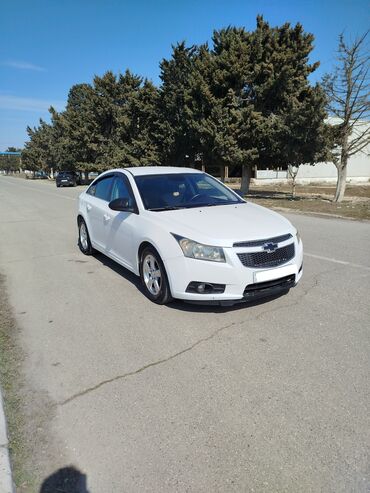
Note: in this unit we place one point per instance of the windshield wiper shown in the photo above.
(210, 204)
(168, 208)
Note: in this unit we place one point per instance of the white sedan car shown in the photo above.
(188, 236)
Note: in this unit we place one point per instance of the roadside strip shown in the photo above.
(6, 481)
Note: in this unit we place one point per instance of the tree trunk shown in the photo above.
(86, 177)
(293, 188)
(203, 168)
(342, 167)
(246, 177)
(224, 173)
(341, 182)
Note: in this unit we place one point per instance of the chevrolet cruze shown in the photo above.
(188, 236)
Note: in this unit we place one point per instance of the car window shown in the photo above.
(210, 189)
(121, 190)
(102, 189)
(183, 190)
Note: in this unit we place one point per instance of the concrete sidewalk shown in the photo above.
(6, 482)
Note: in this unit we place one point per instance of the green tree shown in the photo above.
(109, 123)
(347, 90)
(78, 128)
(38, 152)
(222, 122)
(248, 101)
(177, 143)
(129, 122)
(10, 163)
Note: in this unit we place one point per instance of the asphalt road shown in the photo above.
(146, 398)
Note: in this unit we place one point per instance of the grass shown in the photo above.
(11, 384)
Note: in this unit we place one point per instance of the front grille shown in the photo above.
(265, 259)
(254, 243)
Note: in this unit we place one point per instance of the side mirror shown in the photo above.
(120, 205)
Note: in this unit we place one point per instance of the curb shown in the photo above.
(6, 480)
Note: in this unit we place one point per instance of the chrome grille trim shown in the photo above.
(256, 243)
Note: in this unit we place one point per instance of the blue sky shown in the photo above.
(46, 46)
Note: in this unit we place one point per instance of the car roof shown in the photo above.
(157, 170)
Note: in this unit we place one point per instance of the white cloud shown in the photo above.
(28, 104)
(23, 65)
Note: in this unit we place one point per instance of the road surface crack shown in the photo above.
(150, 365)
(189, 348)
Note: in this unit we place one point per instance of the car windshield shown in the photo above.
(182, 191)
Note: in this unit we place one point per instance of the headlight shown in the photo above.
(192, 249)
(298, 236)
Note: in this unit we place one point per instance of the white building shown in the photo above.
(358, 171)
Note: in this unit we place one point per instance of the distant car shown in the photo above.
(40, 175)
(188, 236)
(67, 179)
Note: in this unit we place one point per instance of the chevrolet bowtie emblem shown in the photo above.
(270, 247)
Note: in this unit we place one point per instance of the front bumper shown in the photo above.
(241, 283)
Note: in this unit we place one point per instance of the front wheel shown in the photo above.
(84, 242)
(153, 277)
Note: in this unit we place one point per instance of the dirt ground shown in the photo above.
(322, 190)
(314, 199)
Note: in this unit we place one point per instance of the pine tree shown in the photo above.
(39, 151)
(176, 139)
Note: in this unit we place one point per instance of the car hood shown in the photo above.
(225, 224)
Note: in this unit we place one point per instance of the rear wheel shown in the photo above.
(84, 242)
(153, 277)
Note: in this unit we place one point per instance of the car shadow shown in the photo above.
(66, 480)
(122, 271)
(180, 305)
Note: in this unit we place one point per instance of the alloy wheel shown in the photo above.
(152, 274)
(83, 236)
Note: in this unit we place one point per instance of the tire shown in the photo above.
(154, 277)
(84, 242)
(58, 185)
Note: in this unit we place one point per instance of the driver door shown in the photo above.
(119, 244)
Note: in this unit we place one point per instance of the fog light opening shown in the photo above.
(205, 287)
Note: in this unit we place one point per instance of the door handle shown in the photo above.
(106, 217)
(88, 207)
